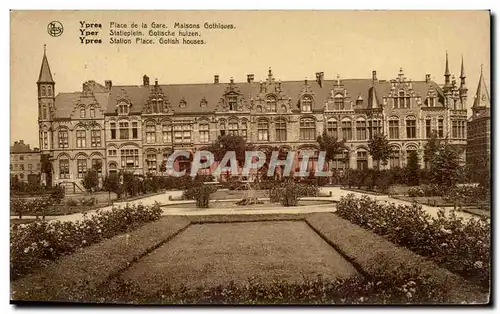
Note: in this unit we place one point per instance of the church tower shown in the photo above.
(46, 91)
(482, 98)
(463, 88)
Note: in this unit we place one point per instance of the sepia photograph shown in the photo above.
(250, 157)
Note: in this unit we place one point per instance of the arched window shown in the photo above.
(395, 158)
(283, 108)
(243, 129)
(340, 160)
(92, 112)
(332, 128)
(361, 159)
(63, 138)
(441, 127)
(81, 166)
(271, 103)
(306, 103)
(409, 150)
(232, 101)
(151, 161)
(95, 138)
(347, 129)
(44, 91)
(361, 129)
(411, 127)
(280, 126)
(123, 108)
(263, 130)
(307, 129)
(204, 131)
(338, 102)
(112, 167)
(258, 109)
(44, 112)
(82, 112)
(222, 127)
(64, 168)
(150, 133)
(49, 90)
(428, 127)
(81, 138)
(233, 127)
(394, 128)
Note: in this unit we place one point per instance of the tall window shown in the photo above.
(362, 159)
(258, 109)
(112, 168)
(306, 103)
(166, 132)
(64, 168)
(394, 159)
(134, 130)
(431, 101)
(44, 113)
(462, 129)
(97, 165)
(271, 104)
(332, 129)
(280, 125)
(307, 129)
(408, 153)
(81, 165)
(63, 139)
(454, 129)
(428, 127)
(222, 127)
(44, 92)
(182, 133)
(401, 101)
(441, 127)
(338, 102)
(92, 112)
(151, 160)
(262, 130)
(95, 138)
(375, 127)
(49, 90)
(243, 129)
(233, 128)
(44, 139)
(129, 158)
(150, 133)
(112, 127)
(361, 130)
(204, 133)
(394, 128)
(232, 100)
(81, 139)
(82, 112)
(339, 160)
(347, 130)
(124, 130)
(411, 127)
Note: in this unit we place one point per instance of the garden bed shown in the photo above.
(232, 204)
(436, 201)
(371, 192)
(17, 221)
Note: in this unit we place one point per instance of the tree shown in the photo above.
(227, 143)
(413, 169)
(90, 180)
(445, 167)
(431, 148)
(331, 145)
(379, 149)
(111, 184)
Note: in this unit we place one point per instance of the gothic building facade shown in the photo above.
(136, 127)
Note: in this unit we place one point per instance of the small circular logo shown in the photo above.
(55, 29)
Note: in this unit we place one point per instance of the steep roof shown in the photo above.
(482, 97)
(45, 74)
(20, 147)
(370, 92)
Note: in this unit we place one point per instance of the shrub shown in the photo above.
(415, 191)
(57, 194)
(462, 246)
(36, 244)
(433, 190)
(88, 201)
(289, 192)
(200, 193)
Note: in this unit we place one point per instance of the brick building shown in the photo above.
(24, 161)
(136, 127)
(479, 129)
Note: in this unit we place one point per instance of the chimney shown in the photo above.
(15, 142)
(145, 80)
(250, 78)
(427, 78)
(319, 78)
(374, 76)
(108, 84)
(21, 141)
(216, 79)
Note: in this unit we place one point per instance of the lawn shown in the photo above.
(217, 253)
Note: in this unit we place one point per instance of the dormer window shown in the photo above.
(271, 103)
(232, 101)
(431, 102)
(359, 101)
(183, 103)
(203, 103)
(123, 108)
(157, 105)
(82, 112)
(259, 109)
(306, 103)
(402, 100)
(338, 102)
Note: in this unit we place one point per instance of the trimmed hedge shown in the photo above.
(36, 244)
(461, 246)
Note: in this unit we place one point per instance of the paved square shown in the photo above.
(216, 253)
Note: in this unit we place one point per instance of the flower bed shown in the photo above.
(35, 244)
(462, 246)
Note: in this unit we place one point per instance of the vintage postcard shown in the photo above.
(250, 157)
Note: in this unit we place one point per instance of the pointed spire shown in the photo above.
(447, 73)
(45, 74)
(462, 71)
(463, 88)
(373, 99)
(482, 98)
